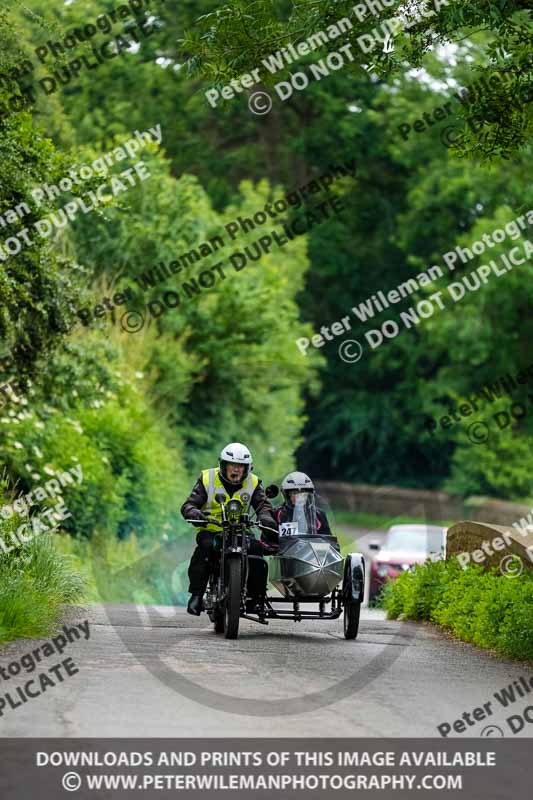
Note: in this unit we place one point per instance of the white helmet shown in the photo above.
(296, 482)
(235, 453)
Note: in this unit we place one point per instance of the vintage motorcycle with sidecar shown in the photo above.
(306, 568)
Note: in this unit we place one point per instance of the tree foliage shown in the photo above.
(235, 38)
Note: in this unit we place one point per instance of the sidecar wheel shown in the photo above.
(352, 612)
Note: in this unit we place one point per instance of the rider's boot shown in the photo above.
(195, 605)
(254, 606)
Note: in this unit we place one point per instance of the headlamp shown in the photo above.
(234, 508)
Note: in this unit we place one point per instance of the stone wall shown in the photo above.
(391, 501)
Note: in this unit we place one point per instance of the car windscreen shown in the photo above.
(416, 541)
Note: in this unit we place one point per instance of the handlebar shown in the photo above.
(211, 521)
(207, 521)
(265, 527)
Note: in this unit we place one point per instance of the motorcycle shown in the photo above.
(306, 568)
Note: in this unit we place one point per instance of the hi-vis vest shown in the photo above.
(213, 485)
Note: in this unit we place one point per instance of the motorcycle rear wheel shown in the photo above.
(232, 609)
(219, 622)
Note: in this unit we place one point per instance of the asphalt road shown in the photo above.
(156, 671)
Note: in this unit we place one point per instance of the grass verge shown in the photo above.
(484, 608)
(35, 582)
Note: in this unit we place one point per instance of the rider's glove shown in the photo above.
(199, 518)
(269, 547)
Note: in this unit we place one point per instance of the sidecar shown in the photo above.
(306, 566)
(309, 569)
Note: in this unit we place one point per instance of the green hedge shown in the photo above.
(484, 608)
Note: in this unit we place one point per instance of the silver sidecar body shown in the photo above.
(306, 566)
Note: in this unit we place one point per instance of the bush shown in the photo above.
(484, 608)
(132, 465)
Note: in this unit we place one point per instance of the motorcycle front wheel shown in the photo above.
(232, 609)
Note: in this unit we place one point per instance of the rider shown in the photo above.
(299, 496)
(234, 476)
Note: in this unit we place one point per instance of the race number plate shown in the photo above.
(288, 529)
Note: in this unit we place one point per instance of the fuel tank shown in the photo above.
(306, 566)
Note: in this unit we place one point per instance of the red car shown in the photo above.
(404, 546)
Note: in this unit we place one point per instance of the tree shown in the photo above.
(237, 37)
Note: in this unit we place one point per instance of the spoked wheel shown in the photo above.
(232, 610)
(352, 612)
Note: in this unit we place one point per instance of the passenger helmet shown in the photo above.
(296, 482)
(235, 453)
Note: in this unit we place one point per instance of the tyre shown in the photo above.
(232, 610)
(219, 622)
(352, 612)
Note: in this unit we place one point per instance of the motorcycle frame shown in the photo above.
(336, 599)
(230, 548)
